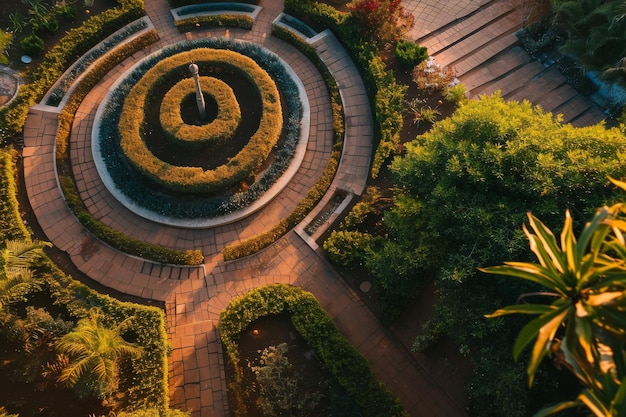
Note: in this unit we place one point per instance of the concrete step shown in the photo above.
(513, 81)
(463, 28)
(542, 84)
(479, 78)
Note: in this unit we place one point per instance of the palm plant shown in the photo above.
(584, 326)
(94, 351)
(17, 259)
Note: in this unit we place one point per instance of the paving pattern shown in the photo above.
(195, 296)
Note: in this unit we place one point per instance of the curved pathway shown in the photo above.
(195, 296)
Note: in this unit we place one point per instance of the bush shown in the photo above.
(5, 42)
(196, 179)
(32, 45)
(348, 366)
(214, 133)
(410, 54)
(347, 248)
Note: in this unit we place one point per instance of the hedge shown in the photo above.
(195, 205)
(214, 133)
(223, 19)
(11, 224)
(345, 363)
(315, 194)
(196, 179)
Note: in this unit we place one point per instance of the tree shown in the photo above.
(17, 258)
(381, 21)
(596, 32)
(584, 326)
(94, 351)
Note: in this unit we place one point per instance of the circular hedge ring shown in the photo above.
(195, 179)
(212, 134)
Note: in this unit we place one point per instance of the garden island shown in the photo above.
(332, 208)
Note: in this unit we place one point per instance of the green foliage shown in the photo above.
(456, 94)
(348, 366)
(583, 326)
(11, 224)
(347, 248)
(365, 206)
(223, 19)
(4, 413)
(410, 54)
(6, 39)
(196, 179)
(214, 133)
(280, 389)
(94, 351)
(32, 45)
(17, 260)
(154, 412)
(463, 190)
(596, 33)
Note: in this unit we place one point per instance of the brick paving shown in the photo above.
(195, 296)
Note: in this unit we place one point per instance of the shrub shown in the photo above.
(196, 179)
(5, 42)
(348, 366)
(347, 248)
(410, 54)
(224, 19)
(456, 94)
(214, 133)
(381, 21)
(430, 76)
(32, 45)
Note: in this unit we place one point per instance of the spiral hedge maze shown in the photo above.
(160, 154)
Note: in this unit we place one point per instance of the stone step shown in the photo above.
(469, 62)
(513, 81)
(465, 27)
(542, 84)
(479, 78)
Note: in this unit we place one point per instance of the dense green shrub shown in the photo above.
(223, 19)
(6, 39)
(214, 133)
(180, 3)
(349, 247)
(464, 190)
(410, 54)
(348, 366)
(11, 224)
(32, 45)
(197, 179)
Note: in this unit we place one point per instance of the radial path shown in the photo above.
(194, 296)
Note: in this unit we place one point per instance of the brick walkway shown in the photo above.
(195, 296)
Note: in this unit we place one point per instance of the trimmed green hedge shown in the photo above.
(214, 133)
(345, 363)
(66, 118)
(11, 224)
(194, 205)
(196, 179)
(75, 43)
(224, 19)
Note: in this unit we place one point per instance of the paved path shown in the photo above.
(194, 296)
(477, 38)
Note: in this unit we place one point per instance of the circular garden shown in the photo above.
(156, 151)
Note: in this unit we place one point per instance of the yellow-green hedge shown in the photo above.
(195, 179)
(214, 133)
